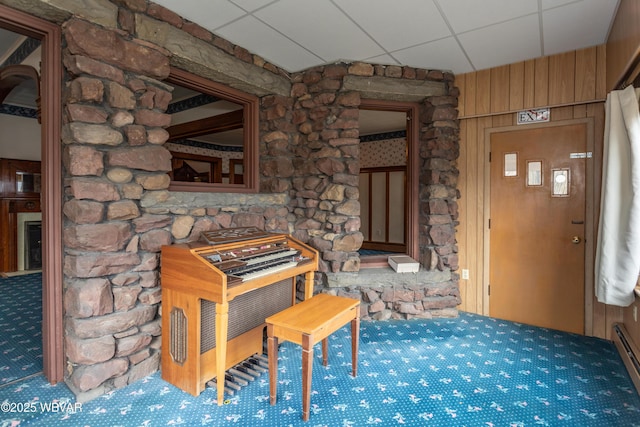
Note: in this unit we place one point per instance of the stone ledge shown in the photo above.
(385, 294)
(196, 200)
(202, 58)
(394, 89)
(375, 277)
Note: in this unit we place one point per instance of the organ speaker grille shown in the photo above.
(178, 326)
(246, 311)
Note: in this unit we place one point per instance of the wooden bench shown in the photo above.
(307, 323)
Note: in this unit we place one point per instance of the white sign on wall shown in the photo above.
(536, 115)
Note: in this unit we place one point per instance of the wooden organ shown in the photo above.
(216, 295)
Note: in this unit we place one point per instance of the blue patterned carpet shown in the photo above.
(21, 326)
(469, 371)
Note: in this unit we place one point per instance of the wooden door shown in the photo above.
(537, 249)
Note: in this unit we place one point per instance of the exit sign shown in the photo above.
(533, 116)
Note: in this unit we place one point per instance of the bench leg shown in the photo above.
(307, 367)
(325, 352)
(272, 354)
(355, 339)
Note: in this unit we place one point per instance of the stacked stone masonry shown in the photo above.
(118, 211)
(385, 294)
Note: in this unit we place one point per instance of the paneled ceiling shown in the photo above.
(456, 35)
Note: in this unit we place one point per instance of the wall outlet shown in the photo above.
(465, 274)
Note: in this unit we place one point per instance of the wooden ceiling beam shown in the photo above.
(206, 126)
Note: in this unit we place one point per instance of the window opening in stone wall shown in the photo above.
(212, 136)
(21, 202)
(383, 167)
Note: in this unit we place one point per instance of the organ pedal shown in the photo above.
(242, 374)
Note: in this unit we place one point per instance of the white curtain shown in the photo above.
(618, 246)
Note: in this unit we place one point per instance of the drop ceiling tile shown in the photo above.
(397, 25)
(259, 38)
(444, 54)
(382, 60)
(577, 25)
(505, 43)
(320, 27)
(210, 14)
(549, 4)
(466, 15)
(251, 5)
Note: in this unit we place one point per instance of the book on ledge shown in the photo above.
(404, 264)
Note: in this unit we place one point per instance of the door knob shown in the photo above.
(575, 240)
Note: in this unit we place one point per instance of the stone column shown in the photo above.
(113, 156)
(439, 150)
(324, 194)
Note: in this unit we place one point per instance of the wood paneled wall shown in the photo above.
(567, 79)
(573, 85)
(623, 44)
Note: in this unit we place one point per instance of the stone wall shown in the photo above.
(311, 151)
(386, 294)
(113, 156)
(118, 210)
(324, 181)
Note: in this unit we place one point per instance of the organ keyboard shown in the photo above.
(216, 294)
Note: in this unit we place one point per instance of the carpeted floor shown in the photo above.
(468, 371)
(21, 327)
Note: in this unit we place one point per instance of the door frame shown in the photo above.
(50, 35)
(590, 219)
(411, 109)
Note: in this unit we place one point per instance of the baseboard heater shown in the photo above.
(629, 353)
